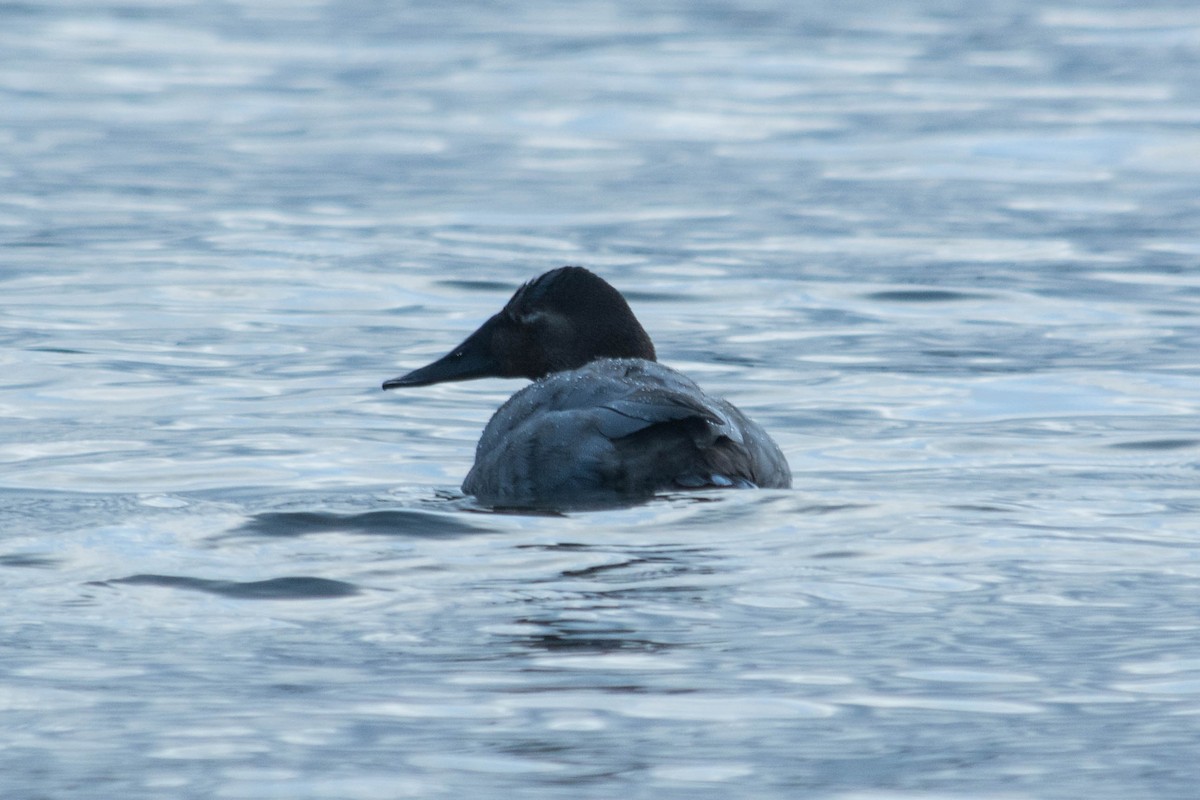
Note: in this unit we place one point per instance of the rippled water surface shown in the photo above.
(946, 253)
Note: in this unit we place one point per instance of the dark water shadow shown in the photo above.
(291, 588)
(1152, 445)
(396, 522)
(475, 285)
(924, 296)
(586, 638)
(29, 561)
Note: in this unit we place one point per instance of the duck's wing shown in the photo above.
(665, 425)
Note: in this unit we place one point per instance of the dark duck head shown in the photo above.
(559, 321)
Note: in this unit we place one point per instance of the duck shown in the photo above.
(604, 423)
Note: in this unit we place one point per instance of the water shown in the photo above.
(945, 253)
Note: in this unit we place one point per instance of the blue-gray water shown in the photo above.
(946, 252)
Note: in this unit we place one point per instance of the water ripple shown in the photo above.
(291, 588)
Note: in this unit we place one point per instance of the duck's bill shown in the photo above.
(467, 361)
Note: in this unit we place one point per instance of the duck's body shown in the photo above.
(604, 423)
(617, 430)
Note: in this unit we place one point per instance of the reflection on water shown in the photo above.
(945, 254)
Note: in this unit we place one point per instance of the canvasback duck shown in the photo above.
(603, 423)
